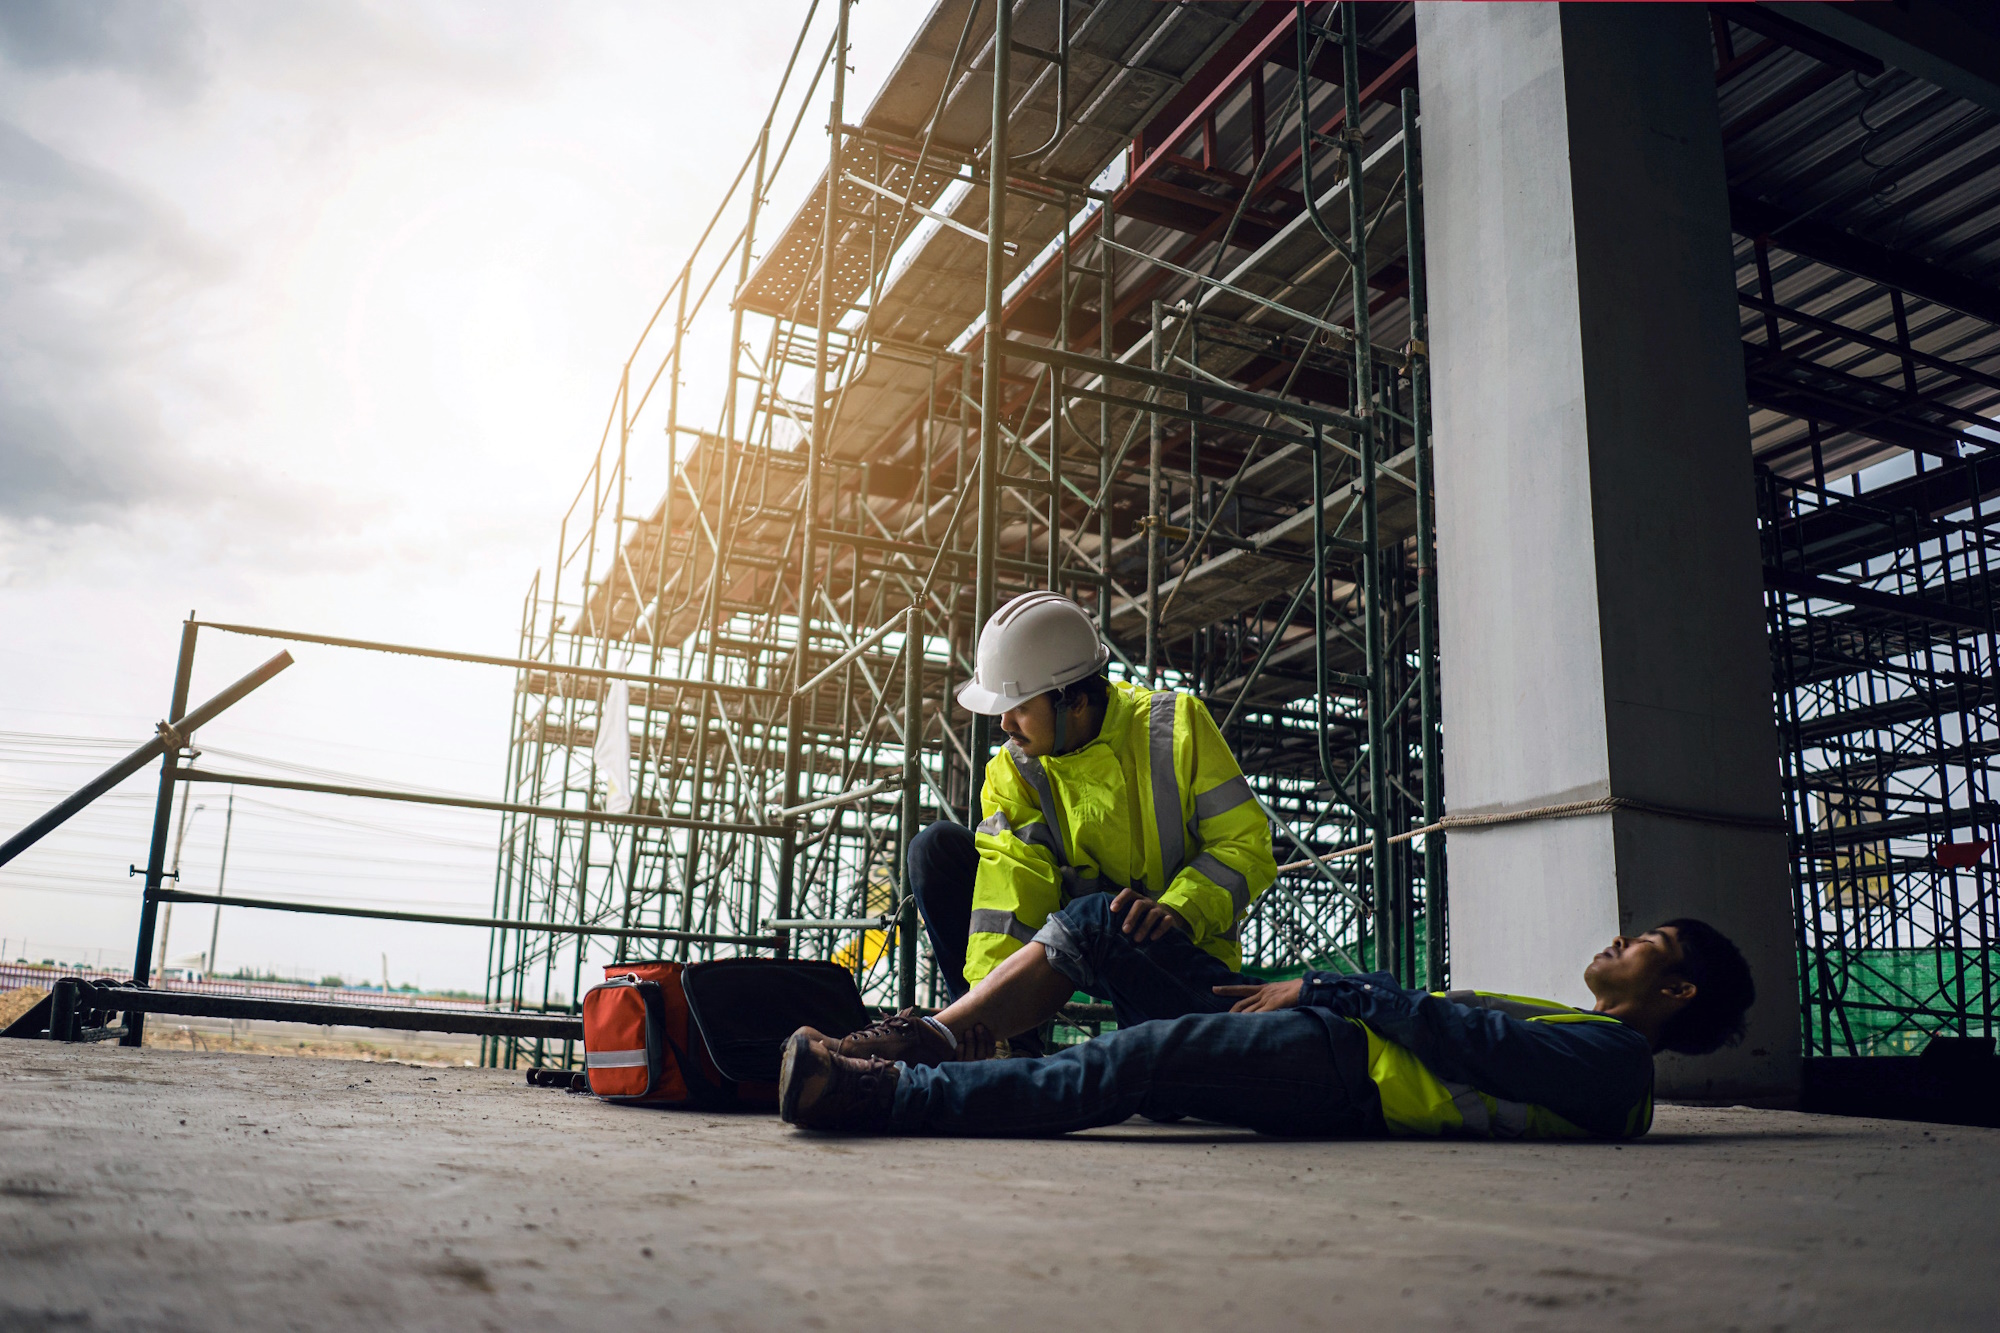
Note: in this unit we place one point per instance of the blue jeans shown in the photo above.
(1164, 979)
(1277, 1073)
(1178, 1052)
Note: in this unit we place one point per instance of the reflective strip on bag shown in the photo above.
(615, 1059)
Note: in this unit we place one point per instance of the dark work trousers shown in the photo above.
(943, 864)
(1290, 1072)
(1279, 1073)
(1165, 978)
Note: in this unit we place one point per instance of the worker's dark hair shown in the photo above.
(1723, 990)
(1094, 690)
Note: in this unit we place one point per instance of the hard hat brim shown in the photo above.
(976, 698)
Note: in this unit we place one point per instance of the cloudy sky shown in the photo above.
(310, 314)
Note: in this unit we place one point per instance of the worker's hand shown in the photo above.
(976, 1043)
(1262, 999)
(1146, 920)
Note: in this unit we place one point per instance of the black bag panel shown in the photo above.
(746, 1007)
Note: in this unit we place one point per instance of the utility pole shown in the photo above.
(221, 876)
(167, 917)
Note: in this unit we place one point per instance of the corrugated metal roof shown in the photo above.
(1893, 162)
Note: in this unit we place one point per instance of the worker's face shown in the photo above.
(1032, 726)
(1639, 968)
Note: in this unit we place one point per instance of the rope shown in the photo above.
(1604, 805)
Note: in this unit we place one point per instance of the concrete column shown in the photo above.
(1601, 592)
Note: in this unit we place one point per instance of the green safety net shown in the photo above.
(1893, 1001)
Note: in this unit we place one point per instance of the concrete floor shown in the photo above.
(177, 1190)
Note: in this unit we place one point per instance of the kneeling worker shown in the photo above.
(1326, 1055)
(1105, 793)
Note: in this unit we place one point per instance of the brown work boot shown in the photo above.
(904, 1037)
(820, 1090)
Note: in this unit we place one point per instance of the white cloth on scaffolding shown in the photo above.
(614, 746)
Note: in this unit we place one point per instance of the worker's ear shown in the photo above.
(1677, 988)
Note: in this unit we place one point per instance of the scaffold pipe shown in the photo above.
(848, 797)
(172, 735)
(873, 637)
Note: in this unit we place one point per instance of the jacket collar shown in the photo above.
(1119, 710)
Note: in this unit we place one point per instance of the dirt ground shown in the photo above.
(173, 1032)
(18, 1001)
(162, 1189)
(437, 1050)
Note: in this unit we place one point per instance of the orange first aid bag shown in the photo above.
(708, 1034)
(635, 1040)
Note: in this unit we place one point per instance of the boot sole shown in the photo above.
(788, 1085)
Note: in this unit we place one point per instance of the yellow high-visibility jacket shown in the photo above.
(1155, 802)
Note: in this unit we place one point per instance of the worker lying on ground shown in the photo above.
(1101, 786)
(1324, 1055)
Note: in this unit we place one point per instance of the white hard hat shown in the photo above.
(1038, 642)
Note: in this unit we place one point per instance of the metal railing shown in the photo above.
(82, 1006)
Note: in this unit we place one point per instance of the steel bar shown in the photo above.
(163, 808)
(816, 448)
(883, 922)
(1264, 654)
(1153, 407)
(1429, 707)
(874, 636)
(1290, 895)
(906, 832)
(944, 218)
(487, 659)
(1389, 898)
(993, 336)
(475, 803)
(484, 922)
(172, 734)
(848, 797)
(193, 1004)
(1773, 311)
(1109, 369)
(1021, 184)
(1107, 288)
(1332, 330)
(1155, 516)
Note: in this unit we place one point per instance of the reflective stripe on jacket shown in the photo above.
(1488, 1065)
(1155, 802)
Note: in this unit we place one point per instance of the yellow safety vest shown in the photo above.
(1155, 802)
(1416, 1101)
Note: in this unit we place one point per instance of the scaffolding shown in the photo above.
(1861, 195)
(1190, 416)
(1141, 371)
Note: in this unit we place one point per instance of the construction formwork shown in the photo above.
(1173, 367)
